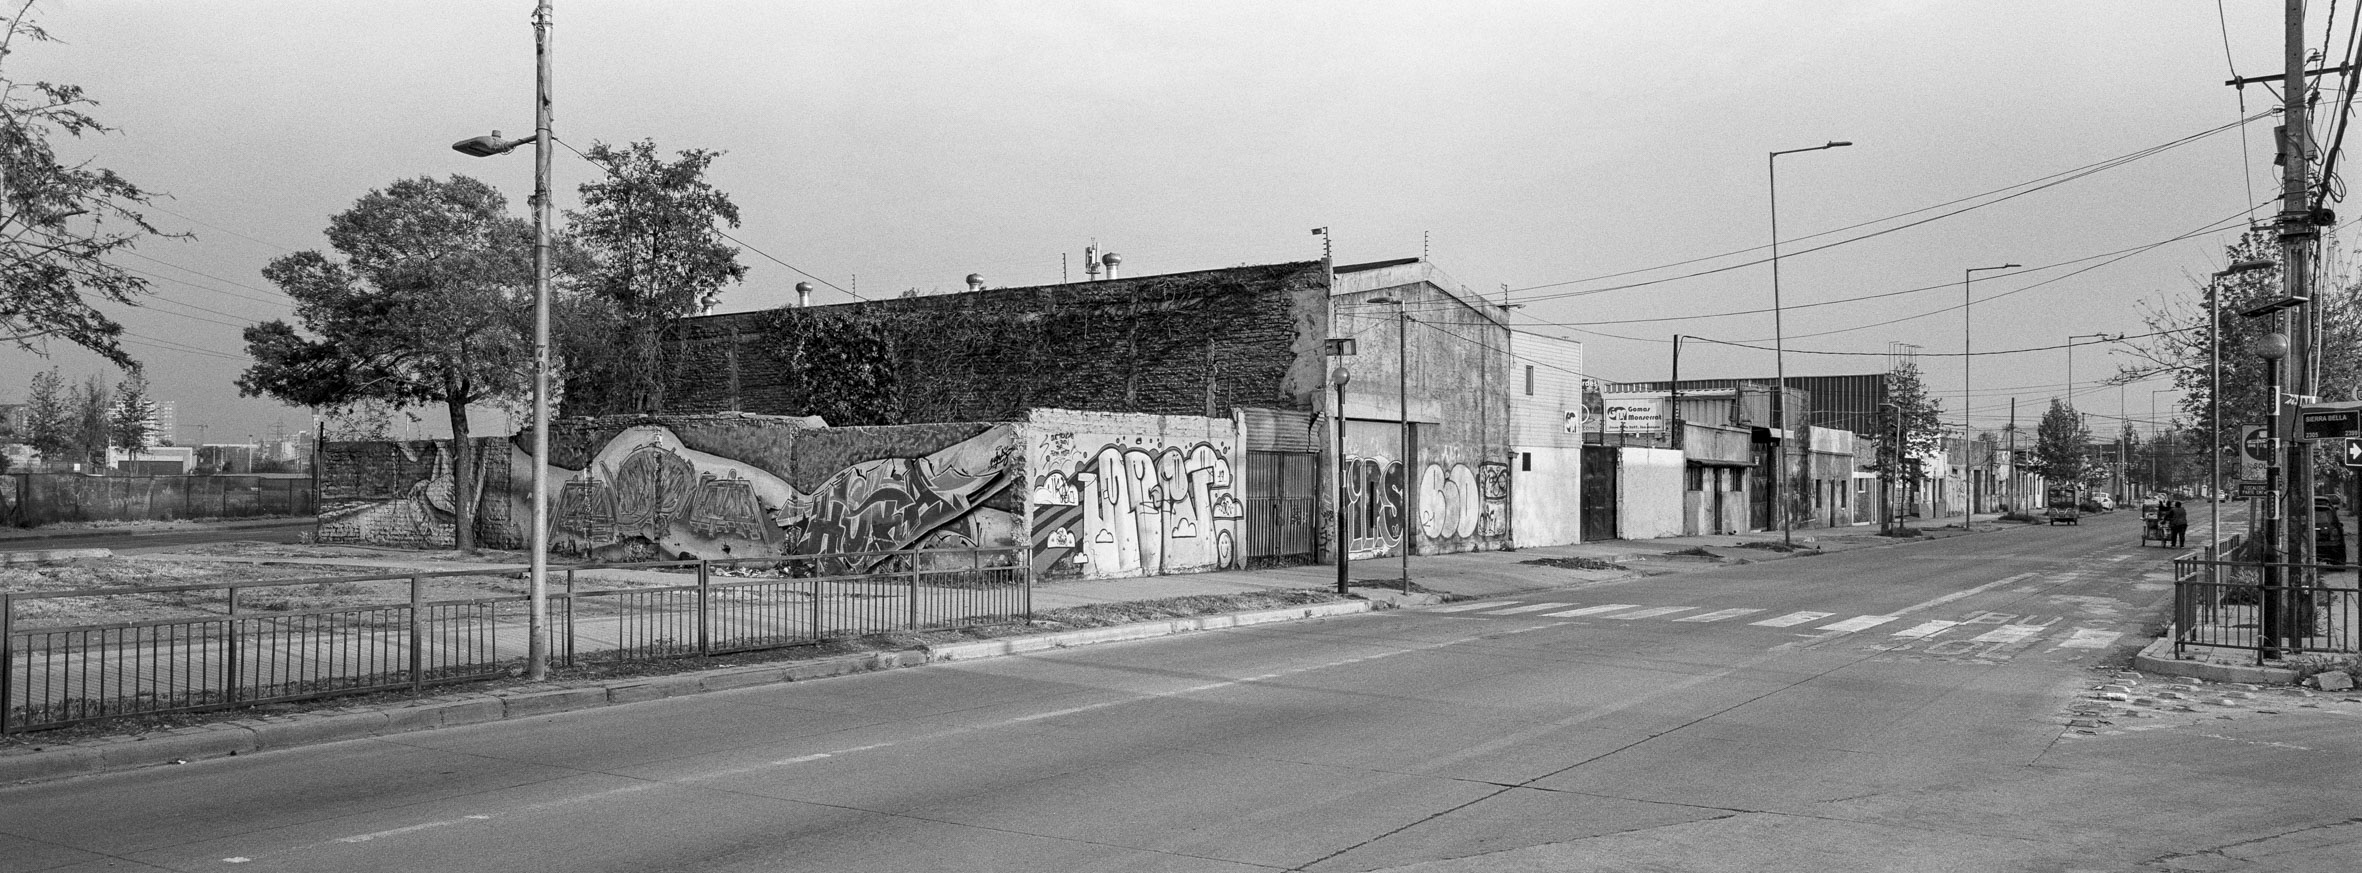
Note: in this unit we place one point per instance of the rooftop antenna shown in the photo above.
(1091, 262)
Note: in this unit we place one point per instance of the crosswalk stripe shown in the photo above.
(1793, 619)
(1720, 615)
(1926, 629)
(2091, 638)
(2011, 633)
(1589, 610)
(1651, 612)
(1530, 607)
(1864, 622)
(1465, 607)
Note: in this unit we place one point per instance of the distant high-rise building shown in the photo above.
(164, 429)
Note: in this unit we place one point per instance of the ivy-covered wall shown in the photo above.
(1198, 343)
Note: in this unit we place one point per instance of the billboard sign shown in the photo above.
(1644, 414)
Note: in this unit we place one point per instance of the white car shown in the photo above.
(2105, 500)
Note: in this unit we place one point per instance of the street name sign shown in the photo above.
(2319, 423)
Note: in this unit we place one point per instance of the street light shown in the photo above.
(2071, 363)
(2272, 347)
(1967, 354)
(1779, 344)
(1402, 362)
(2214, 394)
(537, 597)
(1339, 377)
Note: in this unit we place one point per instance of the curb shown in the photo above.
(2157, 657)
(45, 556)
(246, 736)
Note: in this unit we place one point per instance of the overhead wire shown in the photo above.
(723, 233)
(1998, 196)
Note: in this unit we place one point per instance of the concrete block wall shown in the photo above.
(1199, 343)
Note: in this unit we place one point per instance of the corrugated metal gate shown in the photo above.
(1282, 489)
(1600, 469)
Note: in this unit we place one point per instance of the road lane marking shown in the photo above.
(1466, 607)
(2090, 638)
(1530, 607)
(1720, 615)
(1651, 612)
(1862, 622)
(2011, 633)
(1792, 619)
(363, 838)
(1926, 629)
(1590, 610)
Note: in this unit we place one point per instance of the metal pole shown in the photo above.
(1344, 566)
(1402, 360)
(1967, 354)
(537, 618)
(1780, 347)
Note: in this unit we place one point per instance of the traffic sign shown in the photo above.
(2329, 424)
(2353, 452)
(2254, 489)
(2256, 451)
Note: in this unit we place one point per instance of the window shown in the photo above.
(1525, 462)
(1529, 380)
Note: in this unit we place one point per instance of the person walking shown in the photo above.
(2177, 520)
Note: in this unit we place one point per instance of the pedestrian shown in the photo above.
(2178, 520)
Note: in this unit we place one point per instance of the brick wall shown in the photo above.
(1197, 344)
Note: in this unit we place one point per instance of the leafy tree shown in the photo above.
(2062, 447)
(49, 417)
(654, 255)
(131, 421)
(430, 304)
(60, 222)
(2185, 329)
(1922, 426)
(88, 407)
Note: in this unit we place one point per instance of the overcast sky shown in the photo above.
(1532, 146)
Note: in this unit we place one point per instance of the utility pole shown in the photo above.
(2297, 233)
(2015, 505)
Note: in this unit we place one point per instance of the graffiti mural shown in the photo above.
(1131, 507)
(646, 495)
(1377, 508)
(1460, 502)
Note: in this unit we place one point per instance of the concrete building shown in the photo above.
(1546, 441)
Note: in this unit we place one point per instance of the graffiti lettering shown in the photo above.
(1139, 508)
(1458, 502)
(1377, 502)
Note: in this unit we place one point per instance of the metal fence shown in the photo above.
(234, 644)
(2271, 609)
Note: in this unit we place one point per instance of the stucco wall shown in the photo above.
(1652, 494)
(1547, 500)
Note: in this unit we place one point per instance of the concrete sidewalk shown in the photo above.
(1437, 577)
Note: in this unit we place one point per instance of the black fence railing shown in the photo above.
(2270, 609)
(228, 644)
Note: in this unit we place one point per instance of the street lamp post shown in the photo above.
(1967, 354)
(2214, 396)
(1402, 362)
(537, 610)
(2272, 347)
(1779, 345)
(2071, 363)
(1339, 377)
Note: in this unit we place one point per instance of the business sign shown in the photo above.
(2329, 424)
(2254, 489)
(1635, 414)
(2255, 443)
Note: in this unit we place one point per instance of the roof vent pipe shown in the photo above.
(803, 294)
(1112, 260)
(975, 281)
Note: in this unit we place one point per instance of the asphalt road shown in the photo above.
(1884, 709)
